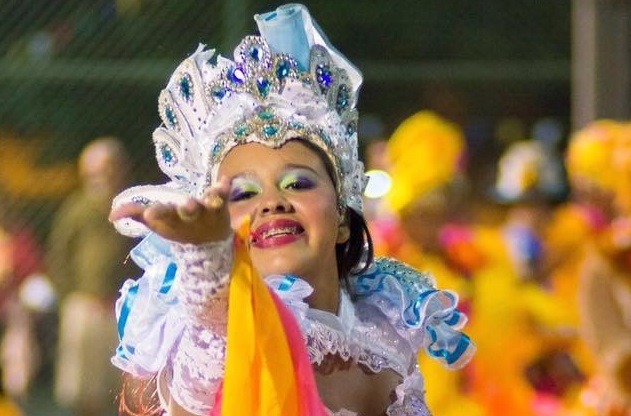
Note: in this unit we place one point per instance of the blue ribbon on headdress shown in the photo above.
(291, 30)
(284, 32)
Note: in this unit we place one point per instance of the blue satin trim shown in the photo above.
(287, 283)
(169, 278)
(128, 304)
(124, 350)
(422, 306)
(450, 353)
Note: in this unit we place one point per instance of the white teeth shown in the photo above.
(278, 231)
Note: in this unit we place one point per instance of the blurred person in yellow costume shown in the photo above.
(589, 210)
(430, 229)
(423, 227)
(574, 225)
(533, 362)
(604, 290)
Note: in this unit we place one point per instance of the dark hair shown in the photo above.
(356, 254)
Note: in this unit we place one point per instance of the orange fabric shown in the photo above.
(262, 376)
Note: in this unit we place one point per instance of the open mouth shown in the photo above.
(275, 233)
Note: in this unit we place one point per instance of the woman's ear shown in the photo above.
(343, 230)
(343, 234)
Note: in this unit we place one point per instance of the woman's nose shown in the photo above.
(275, 203)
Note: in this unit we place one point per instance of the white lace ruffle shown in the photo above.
(153, 310)
(425, 316)
(149, 322)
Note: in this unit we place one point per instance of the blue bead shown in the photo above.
(140, 200)
(241, 130)
(324, 76)
(296, 125)
(282, 69)
(255, 52)
(186, 87)
(236, 75)
(270, 130)
(218, 93)
(167, 155)
(342, 100)
(265, 114)
(170, 116)
(264, 86)
(217, 149)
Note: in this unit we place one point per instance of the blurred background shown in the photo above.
(75, 70)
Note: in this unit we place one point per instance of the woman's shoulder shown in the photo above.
(392, 278)
(421, 312)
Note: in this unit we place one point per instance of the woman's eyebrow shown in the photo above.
(247, 174)
(292, 166)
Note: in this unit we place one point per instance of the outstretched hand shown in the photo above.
(196, 221)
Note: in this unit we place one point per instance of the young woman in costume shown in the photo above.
(261, 151)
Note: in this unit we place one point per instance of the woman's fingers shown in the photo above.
(189, 211)
(193, 221)
(216, 196)
(130, 210)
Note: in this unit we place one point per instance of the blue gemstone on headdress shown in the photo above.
(270, 130)
(255, 52)
(186, 87)
(296, 125)
(170, 116)
(236, 75)
(282, 69)
(241, 130)
(342, 100)
(263, 85)
(218, 92)
(167, 155)
(325, 137)
(324, 76)
(265, 114)
(217, 149)
(351, 128)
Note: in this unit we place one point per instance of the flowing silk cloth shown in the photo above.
(268, 371)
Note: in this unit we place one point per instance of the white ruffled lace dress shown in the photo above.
(173, 321)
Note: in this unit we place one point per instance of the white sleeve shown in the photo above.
(173, 319)
(195, 367)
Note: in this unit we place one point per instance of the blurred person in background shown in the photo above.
(85, 260)
(604, 291)
(424, 223)
(21, 266)
(497, 267)
(572, 229)
(530, 184)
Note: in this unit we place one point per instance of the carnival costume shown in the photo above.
(219, 339)
(604, 279)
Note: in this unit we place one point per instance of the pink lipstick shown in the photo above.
(276, 233)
